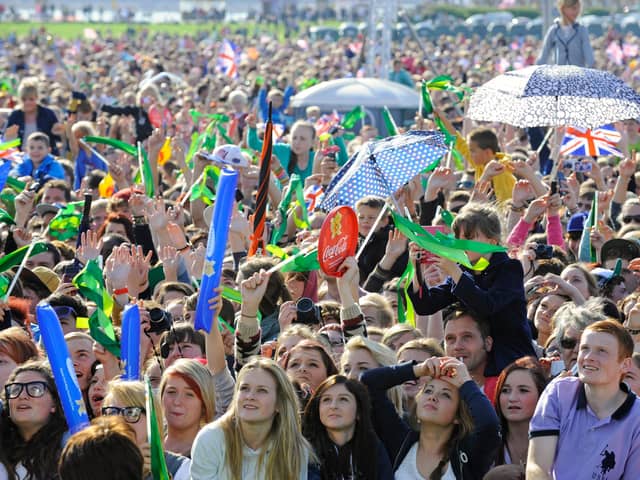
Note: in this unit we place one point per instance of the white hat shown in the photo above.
(229, 155)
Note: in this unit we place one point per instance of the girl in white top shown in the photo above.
(260, 436)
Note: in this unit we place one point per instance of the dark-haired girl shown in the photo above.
(337, 423)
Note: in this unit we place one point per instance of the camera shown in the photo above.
(307, 312)
(160, 320)
(543, 252)
(335, 129)
(581, 166)
(34, 187)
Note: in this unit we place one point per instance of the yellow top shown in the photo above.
(502, 183)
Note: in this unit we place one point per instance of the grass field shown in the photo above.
(75, 30)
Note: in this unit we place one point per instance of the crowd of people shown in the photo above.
(525, 366)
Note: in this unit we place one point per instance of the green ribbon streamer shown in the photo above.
(193, 146)
(66, 222)
(447, 217)
(10, 144)
(218, 117)
(231, 295)
(445, 246)
(226, 325)
(402, 290)
(223, 134)
(15, 258)
(200, 190)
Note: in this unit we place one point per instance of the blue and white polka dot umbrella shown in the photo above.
(380, 168)
(555, 96)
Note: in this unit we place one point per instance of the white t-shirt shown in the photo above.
(408, 469)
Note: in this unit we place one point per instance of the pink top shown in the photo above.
(519, 234)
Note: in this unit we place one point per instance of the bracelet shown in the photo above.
(184, 248)
(121, 291)
(633, 331)
(517, 209)
(248, 316)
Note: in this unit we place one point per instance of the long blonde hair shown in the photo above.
(385, 358)
(289, 450)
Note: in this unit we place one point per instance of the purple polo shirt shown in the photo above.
(588, 447)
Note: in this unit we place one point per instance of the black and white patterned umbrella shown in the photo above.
(554, 96)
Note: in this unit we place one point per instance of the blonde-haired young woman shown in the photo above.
(259, 436)
(361, 354)
(127, 399)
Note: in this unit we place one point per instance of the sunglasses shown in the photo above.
(34, 389)
(65, 311)
(130, 414)
(465, 185)
(631, 219)
(568, 343)
(585, 205)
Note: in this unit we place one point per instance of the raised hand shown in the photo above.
(170, 259)
(90, 246)
(522, 193)
(439, 179)
(196, 261)
(118, 267)
(22, 236)
(252, 290)
(158, 218)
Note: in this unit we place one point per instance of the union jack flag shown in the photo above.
(228, 59)
(593, 143)
(325, 122)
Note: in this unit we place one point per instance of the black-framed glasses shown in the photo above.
(584, 205)
(34, 389)
(130, 414)
(631, 219)
(568, 343)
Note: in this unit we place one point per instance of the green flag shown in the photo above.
(66, 223)
(218, 117)
(16, 257)
(16, 184)
(295, 262)
(6, 218)
(90, 284)
(350, 119)
(445, 83)
(389, 122)
(158, 464)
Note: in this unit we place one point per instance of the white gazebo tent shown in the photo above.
(373, 94)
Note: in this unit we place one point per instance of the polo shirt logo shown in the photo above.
(608, 462)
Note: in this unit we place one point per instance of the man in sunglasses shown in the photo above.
(587, 426)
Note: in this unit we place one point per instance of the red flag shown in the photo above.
(260, 214)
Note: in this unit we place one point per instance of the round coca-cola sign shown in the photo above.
(338, 239)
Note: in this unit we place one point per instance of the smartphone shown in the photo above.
(581, 166)
(554, 187)
(424, 256)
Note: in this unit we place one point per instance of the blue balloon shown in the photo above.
(131, 342)
(62, 367)
(216, 246)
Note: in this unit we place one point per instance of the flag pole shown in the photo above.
(544, 140)
(24, 262)
(94, 151)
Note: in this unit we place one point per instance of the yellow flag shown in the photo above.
(106, 187)
(165, 152)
